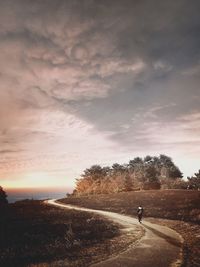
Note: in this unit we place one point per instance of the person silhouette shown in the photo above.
(140, 213)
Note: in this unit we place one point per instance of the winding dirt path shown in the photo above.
(159, 247)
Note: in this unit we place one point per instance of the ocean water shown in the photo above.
(17, 195)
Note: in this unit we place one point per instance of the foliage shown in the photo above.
(37, 233)
(3, 197)
(194, 181)
(174, 184)
(128, 184)
(148, 173)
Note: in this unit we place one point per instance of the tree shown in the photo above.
(146, 173)
(3, 197)
(194, 181)
(171, 170)
(151, 177)
(93, 180)
(135, 162)
(166, 161)
(96, 172)
(118, 169)
(128, 184)
(136, 169)
(148, 159)
(174, 172)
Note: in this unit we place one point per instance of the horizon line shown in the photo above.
(38, 188)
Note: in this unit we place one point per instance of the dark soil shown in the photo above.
(35, 234)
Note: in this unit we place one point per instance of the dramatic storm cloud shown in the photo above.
(85, 82)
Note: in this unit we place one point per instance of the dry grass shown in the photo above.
(35, 234)
(169, 204)
(178, 209)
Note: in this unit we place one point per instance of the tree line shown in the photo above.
(150, 172)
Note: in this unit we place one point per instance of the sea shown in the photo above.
(14, 195)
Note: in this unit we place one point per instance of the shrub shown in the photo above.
(151, 185)
(3, 197)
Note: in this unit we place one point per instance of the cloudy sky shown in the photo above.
(87, 82)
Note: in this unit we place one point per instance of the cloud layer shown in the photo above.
(80, 79)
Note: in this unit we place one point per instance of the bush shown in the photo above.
(3, 197)
(152, 185)
(174, 184)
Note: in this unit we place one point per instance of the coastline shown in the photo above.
(14, 195)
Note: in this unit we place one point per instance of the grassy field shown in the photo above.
(36, 234)
(178, 209)
(181, 205)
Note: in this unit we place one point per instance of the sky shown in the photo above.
(88, 82)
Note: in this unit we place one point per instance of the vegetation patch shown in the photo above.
(138, 174)
(37, 234)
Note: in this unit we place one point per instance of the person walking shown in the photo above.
(140, 211)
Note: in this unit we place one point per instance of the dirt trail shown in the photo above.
(160, 246)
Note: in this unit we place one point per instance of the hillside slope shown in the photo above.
(156, 241)
(177, 209)
(168, 204)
